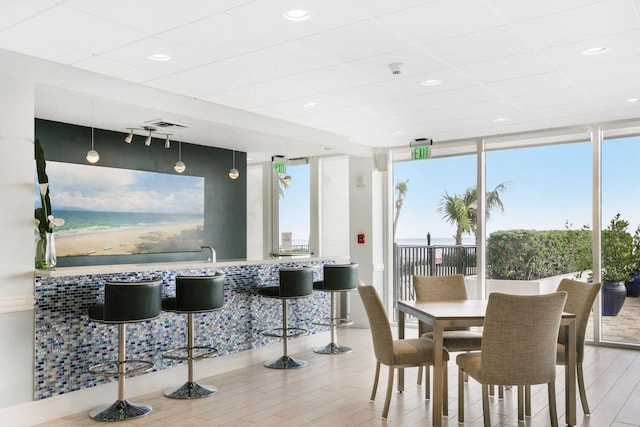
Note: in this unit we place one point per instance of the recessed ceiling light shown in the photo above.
(399, 133)
(633, 100)
(159, 57)
(310, 104)
(432, 82)
(596, 50)
(501, 119)
(297, 14)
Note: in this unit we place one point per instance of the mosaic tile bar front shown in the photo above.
(67, 343)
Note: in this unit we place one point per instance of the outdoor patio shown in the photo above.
(625, 327)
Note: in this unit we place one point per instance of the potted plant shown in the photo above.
(633, 287)
(617, 263)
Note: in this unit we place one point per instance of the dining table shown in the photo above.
(442, 315)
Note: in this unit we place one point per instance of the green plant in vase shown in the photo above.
(617, 264)
(45, 221)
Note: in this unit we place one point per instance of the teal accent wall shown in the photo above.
(225, 199)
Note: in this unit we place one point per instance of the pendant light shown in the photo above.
(92, 155)
(180, 166)
(233, 173)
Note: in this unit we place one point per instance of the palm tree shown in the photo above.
(401, 189)
(462, 210)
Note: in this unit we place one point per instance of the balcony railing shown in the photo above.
(428, 261)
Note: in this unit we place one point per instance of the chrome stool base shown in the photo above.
(121, 410)
(190, 390)
(286, 362)
(332, 348)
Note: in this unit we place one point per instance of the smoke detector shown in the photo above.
(396, 67)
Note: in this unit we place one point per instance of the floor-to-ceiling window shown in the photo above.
(620, 239)
(293, 200)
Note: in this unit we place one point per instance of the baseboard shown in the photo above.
(36, 412)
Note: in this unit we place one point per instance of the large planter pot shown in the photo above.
(613, 295)
(633, 287)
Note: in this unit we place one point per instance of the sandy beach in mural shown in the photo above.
(143, 239)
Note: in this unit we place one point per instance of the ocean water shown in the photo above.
(82, 222)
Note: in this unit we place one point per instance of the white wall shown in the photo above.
(255, 213)
(334, 191)
(17, 243)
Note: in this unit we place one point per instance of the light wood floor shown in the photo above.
(334, 391)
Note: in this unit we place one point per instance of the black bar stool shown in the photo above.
(194, 294)
(125, 302)
(294, 283)
(337, 279)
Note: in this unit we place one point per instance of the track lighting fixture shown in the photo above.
(152, 132)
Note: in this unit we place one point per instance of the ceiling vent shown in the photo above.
(165, 124)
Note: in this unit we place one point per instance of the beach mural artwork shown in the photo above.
(110, 211)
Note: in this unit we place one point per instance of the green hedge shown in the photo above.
(533, 254)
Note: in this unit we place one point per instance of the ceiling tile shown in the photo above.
(17, 11)
(521, 10)
(266, 16)
(440, 19)
(370, 94)
(40, 48)
(222, 36)
(136, 55)
(606, 71)
(78, 30)
(550, 98)
(510, 67)
(621, 45)
(587, 22)
(273, 91)
(331, 79)
(480, 46)
(451, 78)
(382, 7)
(494, 108)
(116, 69)
(153, 16)
(465, 95)
(352, 42)
(414, 59)
(530, 84)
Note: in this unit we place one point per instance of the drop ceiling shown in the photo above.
(503, 65)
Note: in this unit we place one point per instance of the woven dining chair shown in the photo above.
(396, 354)
(442, 288)
(519, 343)
(580, 298)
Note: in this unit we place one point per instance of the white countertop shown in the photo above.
(162, 266)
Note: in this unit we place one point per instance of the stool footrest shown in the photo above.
(279, 332)
(182, 353)
(333, 321)
(131, 367)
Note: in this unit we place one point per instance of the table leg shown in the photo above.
(400, 336)
(438, 379)
(570, 374)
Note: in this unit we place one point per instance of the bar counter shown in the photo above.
(67, 343)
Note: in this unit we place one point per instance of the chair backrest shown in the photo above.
(519, 338)
(580, 298)
(340, 277)
(379, 324)
(296, 282)
(440, 288)
(132, 301)
(199, 293)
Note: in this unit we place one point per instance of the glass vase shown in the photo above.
(46, 251)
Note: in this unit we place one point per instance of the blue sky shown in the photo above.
(98, 188)
(547, 187)
(295, 205)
